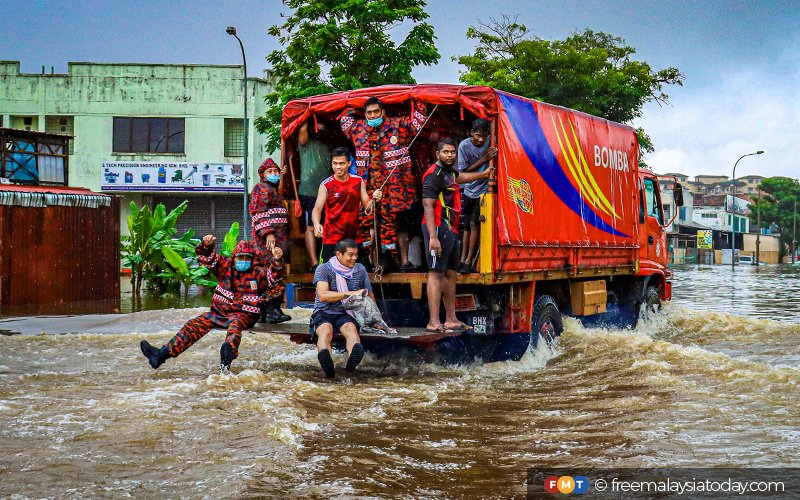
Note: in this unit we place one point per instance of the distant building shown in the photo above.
(149, 132)
(722, 212)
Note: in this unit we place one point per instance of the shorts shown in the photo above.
(470, 212)
(307, 202)
(451, 250)
(319, 318)
(327, 251)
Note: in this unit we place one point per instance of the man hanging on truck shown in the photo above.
(241, 287)
(382, 153)
(314, 169)
(270, 228)
(441, 202)
(340, 195)
(474, 155)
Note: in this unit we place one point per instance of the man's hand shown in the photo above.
(435, 246)
(208, 240)
(277, 252)
(377, 195)
(489, 154)
(270, 241)
(489, 172)
(355, 292)
(318, 230)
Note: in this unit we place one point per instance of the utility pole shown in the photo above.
(758, 227)
(794, 231)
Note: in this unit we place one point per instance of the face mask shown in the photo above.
(242, 265)
(376, 122)
(273, 179)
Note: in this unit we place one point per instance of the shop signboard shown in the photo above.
(172, 176)
(705, 239)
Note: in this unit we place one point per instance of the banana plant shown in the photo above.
(150, 232)
(229, 243)
(178, 270)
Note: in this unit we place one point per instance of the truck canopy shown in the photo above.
(564, 178)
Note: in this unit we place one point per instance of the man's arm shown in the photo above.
(206, 255)
(365, 198)
(488, 155)
(316, 214)
(302, 134)
(430, 192)
(462, 177)
(325, 293)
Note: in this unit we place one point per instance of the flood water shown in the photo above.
(712, 381)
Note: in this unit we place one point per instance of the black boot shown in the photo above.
(326, 362)
(355, 358)
(273, 312)
(155, 356)
(226, 357)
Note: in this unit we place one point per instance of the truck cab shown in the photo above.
(653, 254)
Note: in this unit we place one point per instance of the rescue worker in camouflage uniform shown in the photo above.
(242, 286)
(270, 229)
(381, 144)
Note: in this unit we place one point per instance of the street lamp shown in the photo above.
(231, 30)
(733, 210)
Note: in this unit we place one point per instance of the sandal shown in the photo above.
(440, 329)
(462, 327)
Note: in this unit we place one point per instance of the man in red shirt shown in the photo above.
(441, 202)
(340, 195)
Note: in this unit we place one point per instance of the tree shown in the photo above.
(591, 71)
(778, 208)
(334, 45)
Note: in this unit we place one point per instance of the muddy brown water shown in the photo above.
(709, 382)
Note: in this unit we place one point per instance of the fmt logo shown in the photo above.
(566, 484)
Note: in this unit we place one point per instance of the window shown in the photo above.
(234, 137)
(708, 216)
(652, 201)
(148, 135)
(60, 125)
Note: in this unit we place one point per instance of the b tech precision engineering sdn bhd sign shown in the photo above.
(157, 176)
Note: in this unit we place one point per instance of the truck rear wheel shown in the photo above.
(546, 321)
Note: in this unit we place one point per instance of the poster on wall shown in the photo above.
(705, 239)
(157, 176)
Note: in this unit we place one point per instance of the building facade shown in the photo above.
(150, 133)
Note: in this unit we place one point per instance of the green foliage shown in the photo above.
(780, 197)
(229, 243)
(179, 271)
(333, 45)
(591, 71)
(150, 232)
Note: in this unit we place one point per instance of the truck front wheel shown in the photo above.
(652, 301)
(546, 321)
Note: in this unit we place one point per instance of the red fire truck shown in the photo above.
(570, 226)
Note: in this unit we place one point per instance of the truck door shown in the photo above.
(651, 219)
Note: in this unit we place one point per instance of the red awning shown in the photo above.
(479, 100)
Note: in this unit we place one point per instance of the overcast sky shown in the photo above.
(741, 59)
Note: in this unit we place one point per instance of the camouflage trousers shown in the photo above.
(196, 328)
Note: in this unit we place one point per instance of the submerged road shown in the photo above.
(84, 415)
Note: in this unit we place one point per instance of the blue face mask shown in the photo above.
(242, 265)
(376, 122)
(274, 179)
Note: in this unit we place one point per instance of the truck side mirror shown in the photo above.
(677, 194)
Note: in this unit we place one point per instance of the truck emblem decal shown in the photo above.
(525, 124)
(520, 192)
